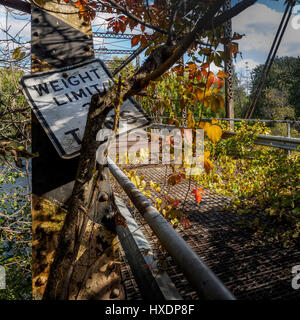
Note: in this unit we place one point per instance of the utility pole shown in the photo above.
(229, 89)
(59, 39)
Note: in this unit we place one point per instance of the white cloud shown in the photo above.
(260, 24)
(240, 66)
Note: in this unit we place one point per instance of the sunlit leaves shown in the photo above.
(214, 133)
(86, 10)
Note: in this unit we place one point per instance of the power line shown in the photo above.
(273, 51)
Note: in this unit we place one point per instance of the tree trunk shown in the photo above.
(88, 178)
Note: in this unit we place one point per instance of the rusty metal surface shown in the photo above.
(49, 30)
(249, 269)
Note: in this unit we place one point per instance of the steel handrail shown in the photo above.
(203, 279)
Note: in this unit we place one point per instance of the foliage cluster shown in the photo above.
(15, 236)
(263, 183)
(280, 97)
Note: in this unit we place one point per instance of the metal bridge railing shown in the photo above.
(281, 142)
(203, 279)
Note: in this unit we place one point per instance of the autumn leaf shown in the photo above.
(199, 94)
(237, 36)
(132, 24)
(206, 51)
(135, 40)
(220, 83)
(176, 178)
(143, 41)
(16, 53)
(198, 195)
(211, 80)
(77, 4)
(122, 27)
(207, 163)
(221, 74)
(204, 125)
(191, 66)
(214, 133)
(233, 49)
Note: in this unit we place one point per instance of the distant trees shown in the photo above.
(280, 98)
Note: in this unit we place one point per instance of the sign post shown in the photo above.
(61, 40)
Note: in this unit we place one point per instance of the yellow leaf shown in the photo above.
(214, 133)
(214, 121)
(221, 74)
(16, 53)
(204, 125)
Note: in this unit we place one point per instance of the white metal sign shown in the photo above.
(61, 98)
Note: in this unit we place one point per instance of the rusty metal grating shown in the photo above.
(248, 268)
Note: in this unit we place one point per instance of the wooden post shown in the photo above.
(59, 39)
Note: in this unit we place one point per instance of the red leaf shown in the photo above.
(122, 27)
(220, 83)
(198, 195)
(135, 40)
(77, 4)
(211, 80)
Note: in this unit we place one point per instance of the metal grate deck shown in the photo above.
(248, 268)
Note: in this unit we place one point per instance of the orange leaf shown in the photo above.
(220, 83)
(77, 4)
(211, 80)
(135, 40)
(207, 163)
(221, 74)
(204, 125)
(198, 195)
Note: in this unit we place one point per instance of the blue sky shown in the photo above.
(258, 22)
